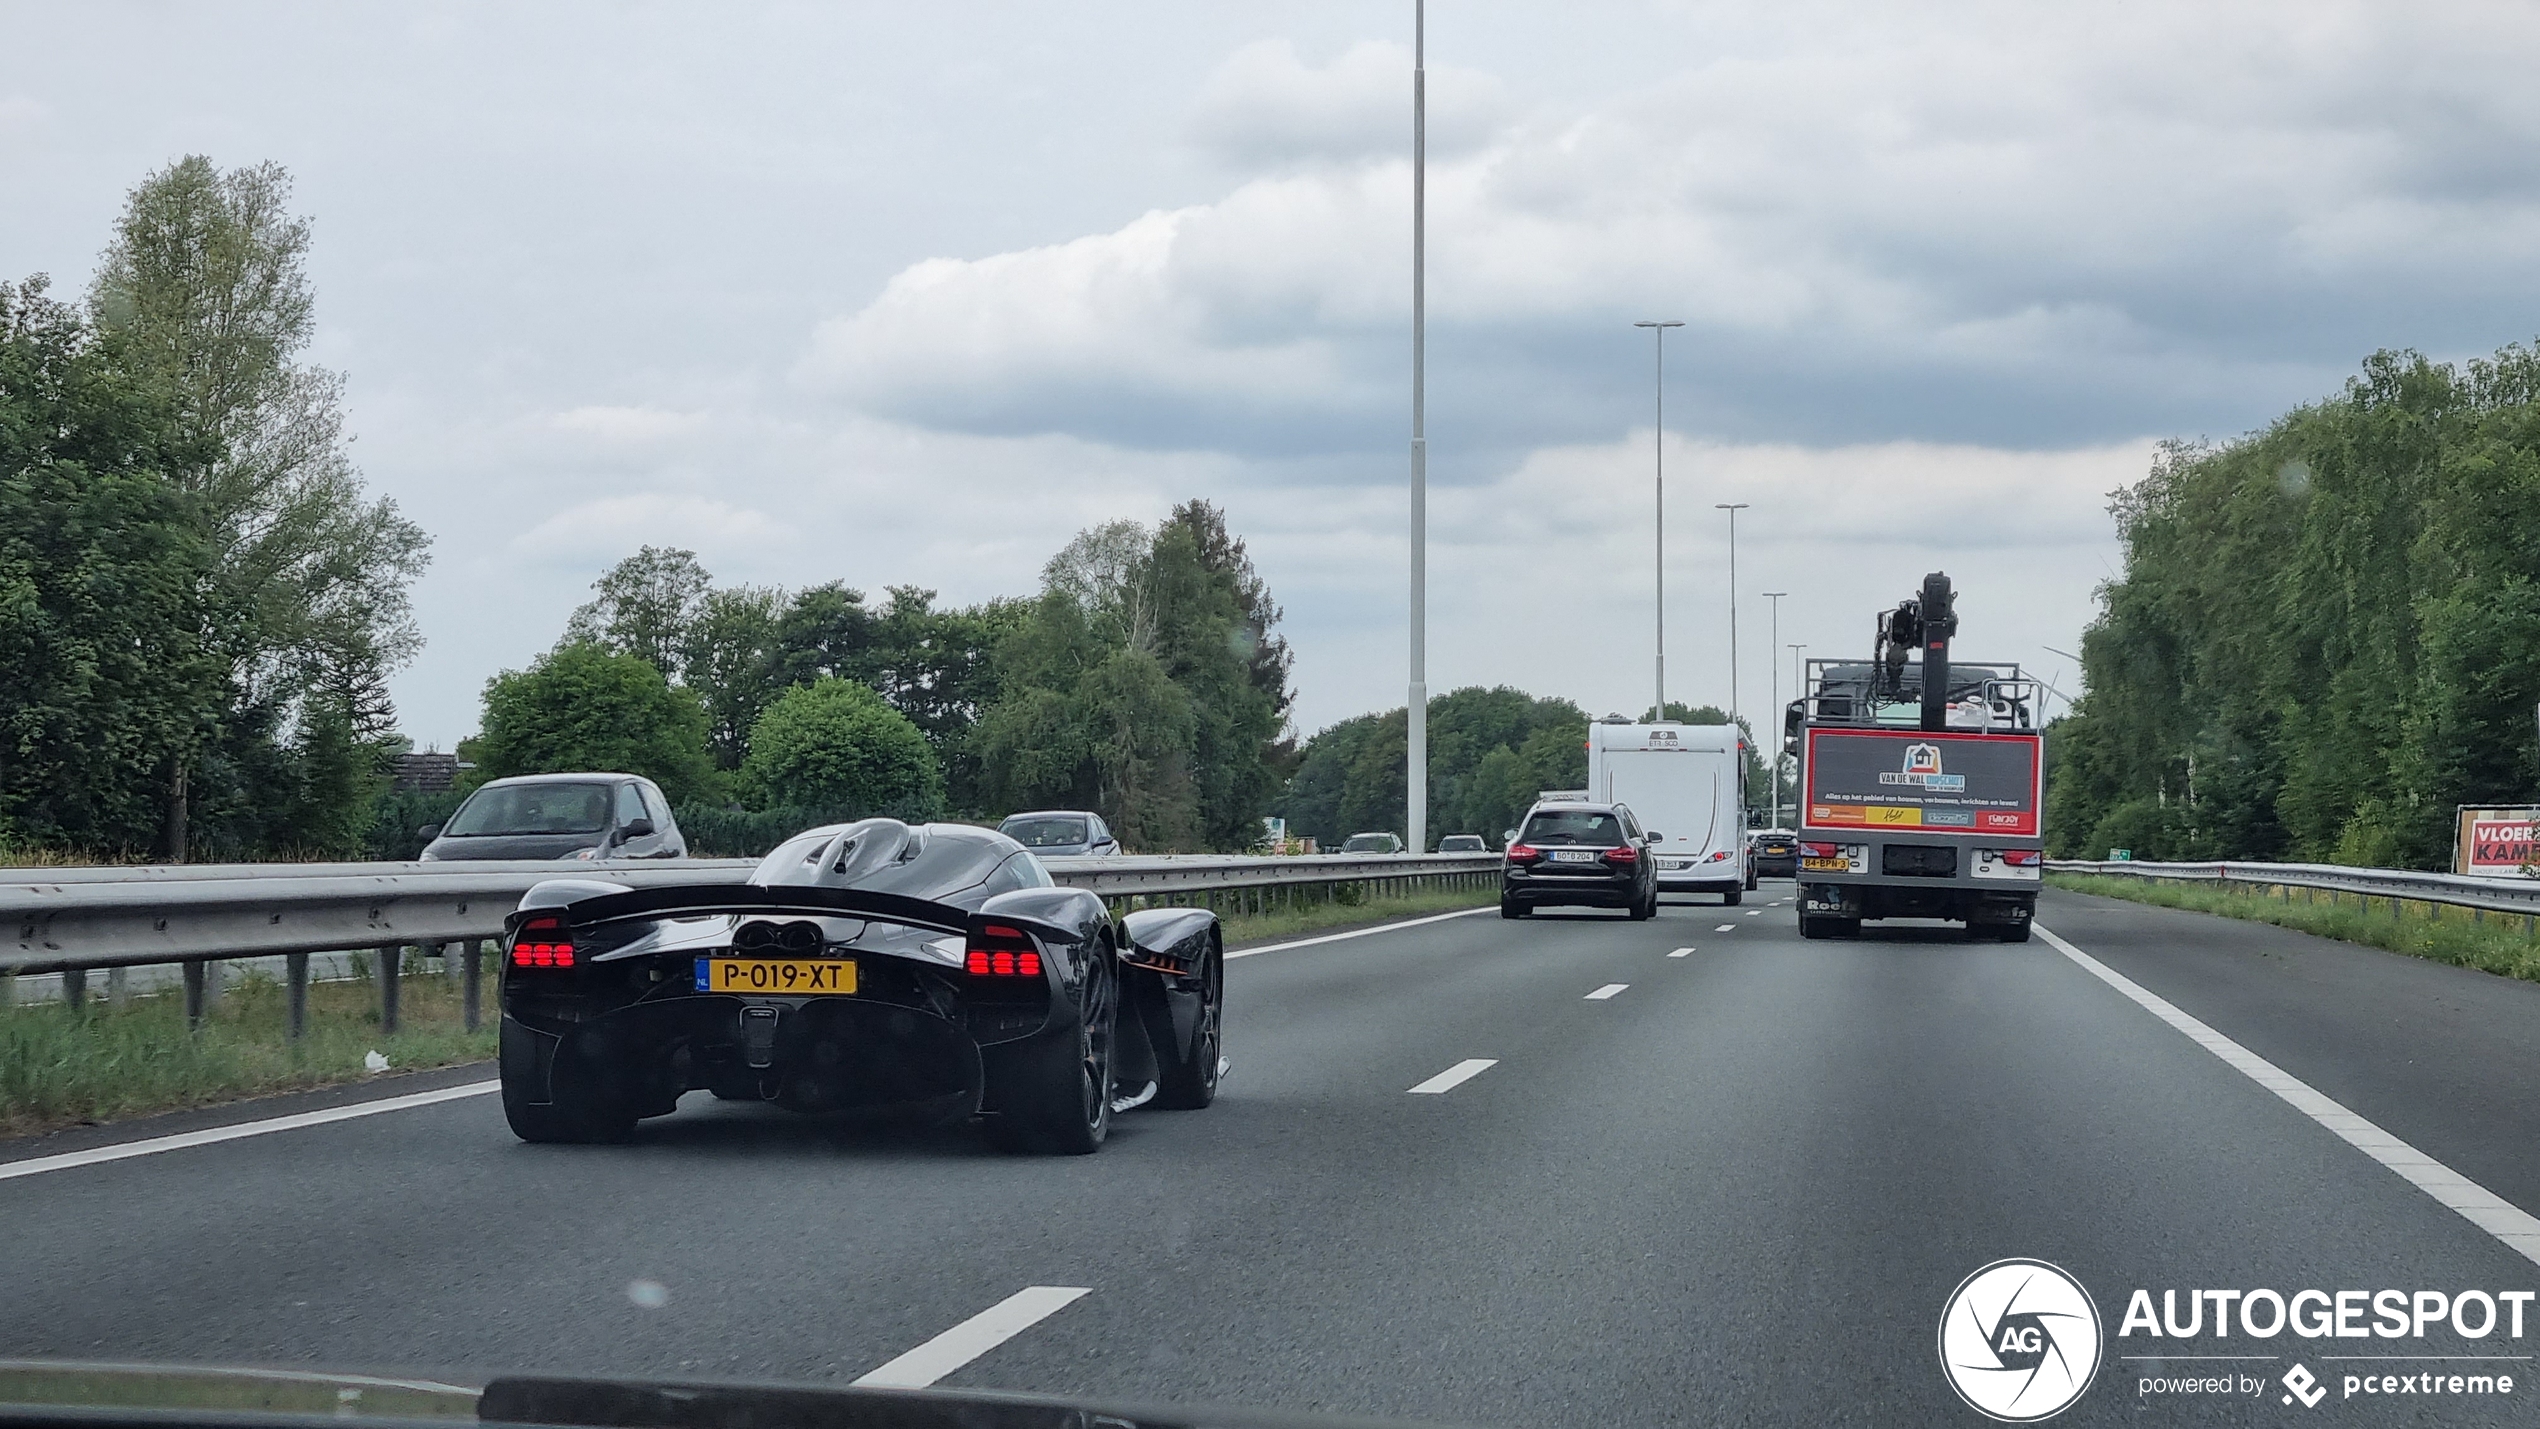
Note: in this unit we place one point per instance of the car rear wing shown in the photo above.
(596, 910)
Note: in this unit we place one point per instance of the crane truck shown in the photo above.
(1921, 782)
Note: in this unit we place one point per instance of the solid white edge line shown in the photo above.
(125, 1151)
(1607, 991)
(2518, 1229)
(1356, 933)
(974, 1337)
(1455, 1076)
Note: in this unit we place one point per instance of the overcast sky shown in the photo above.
(907, 294)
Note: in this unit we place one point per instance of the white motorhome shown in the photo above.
(1688, 782)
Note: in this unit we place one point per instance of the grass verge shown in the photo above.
(1323, 917)
(2496, 944)
(63, 1068)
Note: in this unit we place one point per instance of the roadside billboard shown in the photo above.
(1939, 781)
(2493, 842)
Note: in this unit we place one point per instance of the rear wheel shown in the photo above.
(1186, 1064)
(1645, 909)
(564, 1121)
(2011, 932)
(1750, 881)
(1059, 1101)
(1732, 898)
(1510, 907)
(1821, 927)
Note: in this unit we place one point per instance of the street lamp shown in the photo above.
(1775, 715)
(1732, 507)
(1416, 709)
(1799, 684)
(1659, 451)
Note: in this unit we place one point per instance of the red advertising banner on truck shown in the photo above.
(2494, 843)
(1941, 781)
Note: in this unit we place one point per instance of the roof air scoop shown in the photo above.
(840, 856)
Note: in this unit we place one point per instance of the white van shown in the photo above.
(1688, 782)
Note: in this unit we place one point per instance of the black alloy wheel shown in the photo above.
(1063, 1107)
(1186, 1067)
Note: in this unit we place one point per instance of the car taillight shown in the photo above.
(2021, 857)
(1821, 850)
(1622, 855)
(999, 950)
(1523, 853)
(542, 943)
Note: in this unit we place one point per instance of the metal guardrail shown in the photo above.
(77, 919)
(2488, 895)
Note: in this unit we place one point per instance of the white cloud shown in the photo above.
(2040, 228)
(628, 426)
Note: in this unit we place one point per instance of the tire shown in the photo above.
(562, 1123)
(1644, 910)
(1732, 898)
(1750, 883)
(1813, 928)
(2011, 933)
(1511, 908)
(1186, 1067)
(1060, 1100)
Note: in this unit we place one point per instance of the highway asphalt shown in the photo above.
(1739, 1189)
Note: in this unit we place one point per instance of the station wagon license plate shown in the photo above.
(1573, 856)
(777, 977)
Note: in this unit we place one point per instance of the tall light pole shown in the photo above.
(1775, 715)
(1416, 710)
(1799, 685)
(1658, 449)
(1732, 507)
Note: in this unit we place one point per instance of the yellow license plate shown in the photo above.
(1826, 865)
(777, 977)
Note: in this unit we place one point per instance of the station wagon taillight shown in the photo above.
(1622, 855)
(1523, 853)
(543, 942)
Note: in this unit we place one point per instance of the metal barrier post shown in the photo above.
(468, 983)
(389, 971)
(194, 994)
(295, 986)
(75, 988)
(118, 988)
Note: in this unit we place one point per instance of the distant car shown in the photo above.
(1591, 855)
(1061, 833)
(577, 816)
(1775, 853)
(1373, 843)
(1463, 843)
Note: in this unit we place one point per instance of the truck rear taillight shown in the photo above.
(1820, 850)
(2021, 857)
(542, 942)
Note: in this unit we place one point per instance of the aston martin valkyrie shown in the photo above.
(931, 970)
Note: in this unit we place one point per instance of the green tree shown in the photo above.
(103, 573)
(648, 606)
(583, 708)
(205, 285)
(836, 743)
(732, 659)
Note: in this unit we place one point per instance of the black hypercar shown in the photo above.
(865, 966)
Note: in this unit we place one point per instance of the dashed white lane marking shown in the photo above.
(2481, 1207)
(1725, 928)
(38, 1165)
(1605, 992)
(974, 1337)
(1357, 933)
(1455, 1076)
(1681, 953)
(1755, 913)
